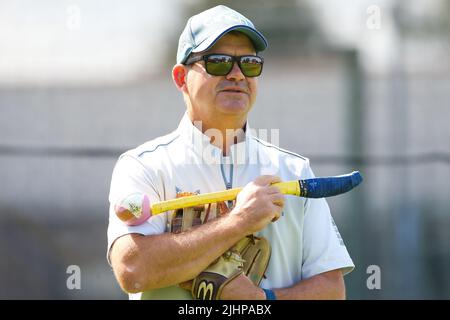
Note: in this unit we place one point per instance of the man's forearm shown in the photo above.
(324, 286)
(147, 262)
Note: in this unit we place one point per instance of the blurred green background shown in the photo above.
(353, 85)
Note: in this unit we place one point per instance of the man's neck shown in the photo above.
(224, 134)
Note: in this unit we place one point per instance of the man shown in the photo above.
(217, 72)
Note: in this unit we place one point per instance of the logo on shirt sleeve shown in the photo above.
(338, 235)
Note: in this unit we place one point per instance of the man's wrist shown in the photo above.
(261, 295)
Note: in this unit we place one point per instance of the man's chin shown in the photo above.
(237, 108)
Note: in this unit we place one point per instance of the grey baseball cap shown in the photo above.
(204, 29)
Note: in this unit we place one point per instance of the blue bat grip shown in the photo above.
(329, 186)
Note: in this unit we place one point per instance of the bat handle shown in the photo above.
(329, 186)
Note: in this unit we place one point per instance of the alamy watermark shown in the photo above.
(73, 282)
(373, 21)
(374, 280)
(73, 17)
(209, 143)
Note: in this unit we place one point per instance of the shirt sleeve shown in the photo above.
(323, 247)
(131, 176)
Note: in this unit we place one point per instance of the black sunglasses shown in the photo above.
(222, 64)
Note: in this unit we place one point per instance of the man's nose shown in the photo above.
(235, 73)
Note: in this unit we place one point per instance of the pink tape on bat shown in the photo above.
(130, 212)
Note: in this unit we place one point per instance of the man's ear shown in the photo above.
(179, 76)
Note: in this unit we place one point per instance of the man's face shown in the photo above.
(215, 98)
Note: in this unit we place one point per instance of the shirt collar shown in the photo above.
(193, 136)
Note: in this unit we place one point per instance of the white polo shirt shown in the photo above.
(305, 241)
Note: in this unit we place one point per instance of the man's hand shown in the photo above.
(259, 203)
(242, 288)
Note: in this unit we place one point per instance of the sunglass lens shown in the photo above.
(219, 65)
(251, 66)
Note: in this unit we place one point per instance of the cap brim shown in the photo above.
(258, 40)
